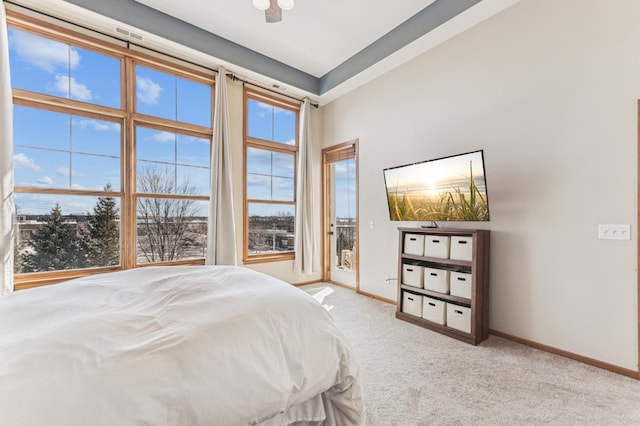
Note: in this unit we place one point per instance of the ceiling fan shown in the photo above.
(273, 8)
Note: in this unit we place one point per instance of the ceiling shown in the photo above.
(321, 48)
(315, 36)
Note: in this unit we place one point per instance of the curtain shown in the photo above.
(307, 258)
(6, 161)
(221, 233)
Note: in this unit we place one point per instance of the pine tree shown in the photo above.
(56, 246)
(104, 233)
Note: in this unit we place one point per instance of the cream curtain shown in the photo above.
(6, 161)
(221, 234)
(307, 258)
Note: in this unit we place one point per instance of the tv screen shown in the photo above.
(443, 189)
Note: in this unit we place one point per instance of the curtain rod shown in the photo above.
(129, 43)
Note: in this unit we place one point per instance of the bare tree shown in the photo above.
(164, 223)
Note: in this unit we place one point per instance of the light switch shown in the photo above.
(371, 224)
(614, 232)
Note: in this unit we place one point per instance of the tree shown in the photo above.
(164, 223)
(103, 232)
(56, 246)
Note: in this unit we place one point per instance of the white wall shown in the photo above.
(549, 90)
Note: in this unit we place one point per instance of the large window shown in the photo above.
(271, 146)
(111, 155)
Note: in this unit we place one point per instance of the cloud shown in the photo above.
(69, 87)
(22, 161)
(97, 125)
(147, 90)
(164, 137)
(63, 171)
(45, 180)
(43, 53)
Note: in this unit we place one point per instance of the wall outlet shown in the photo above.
(614, 232)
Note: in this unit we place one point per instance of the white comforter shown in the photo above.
(173, 346)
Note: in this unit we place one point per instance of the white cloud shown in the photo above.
(45, 180)
(43, 53)
(147, 90)
(63, 171)
(69, 86)
(163, 137)
(22, 161)
(96, 124)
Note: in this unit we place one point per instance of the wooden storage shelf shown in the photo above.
(476, 307)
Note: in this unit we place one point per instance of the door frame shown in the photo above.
(326, 225)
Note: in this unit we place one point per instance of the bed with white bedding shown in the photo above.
(188, 345)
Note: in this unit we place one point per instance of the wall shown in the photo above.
(549, 90)
(283, 269)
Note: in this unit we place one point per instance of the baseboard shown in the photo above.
(306, 283)
(373, 296)
(586, 360)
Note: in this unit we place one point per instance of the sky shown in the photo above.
(75, 152)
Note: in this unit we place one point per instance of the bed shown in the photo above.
(187, 345)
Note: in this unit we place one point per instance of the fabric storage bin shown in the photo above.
(412, 303)
(436, 280)
(414, 244)
(434, 310)
(436, 246)
(460, 284)
(459, 317)
(412, 275)
(462, 248)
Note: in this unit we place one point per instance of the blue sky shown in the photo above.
(75, 152)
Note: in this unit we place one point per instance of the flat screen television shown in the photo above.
(443, 189)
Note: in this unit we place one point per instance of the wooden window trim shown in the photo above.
(252, 142)
(128, 120)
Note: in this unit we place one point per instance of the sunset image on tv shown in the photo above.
(445, 189)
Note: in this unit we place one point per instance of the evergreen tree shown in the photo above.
(56, 246)
(104, 233)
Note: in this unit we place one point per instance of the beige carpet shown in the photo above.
(413, 376)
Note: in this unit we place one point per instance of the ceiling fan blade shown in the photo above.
(274, 13)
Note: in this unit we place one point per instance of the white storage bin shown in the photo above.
(436, 280)
(434, 310)
(436, 246)
(459, 317)
(460, 284)
(462, 248)
(414, 244)
(412, 275)
(412, 303)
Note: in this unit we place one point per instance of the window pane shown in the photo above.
(192, 151)
(271, 123)
(62, 232)
(53, 133)
(47, 155)
(91, 136)
(46, 66)
(271, 228)
(170, 163)
(270, 175)
(171, 229)
(93, 172)
(167, 96)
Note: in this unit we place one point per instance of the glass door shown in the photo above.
(341, 201)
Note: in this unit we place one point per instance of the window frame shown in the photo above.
(278, 147)
(128, 119)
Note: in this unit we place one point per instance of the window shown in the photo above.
(271, 146)
(102, 183)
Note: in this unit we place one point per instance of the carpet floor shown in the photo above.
(414, 376)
